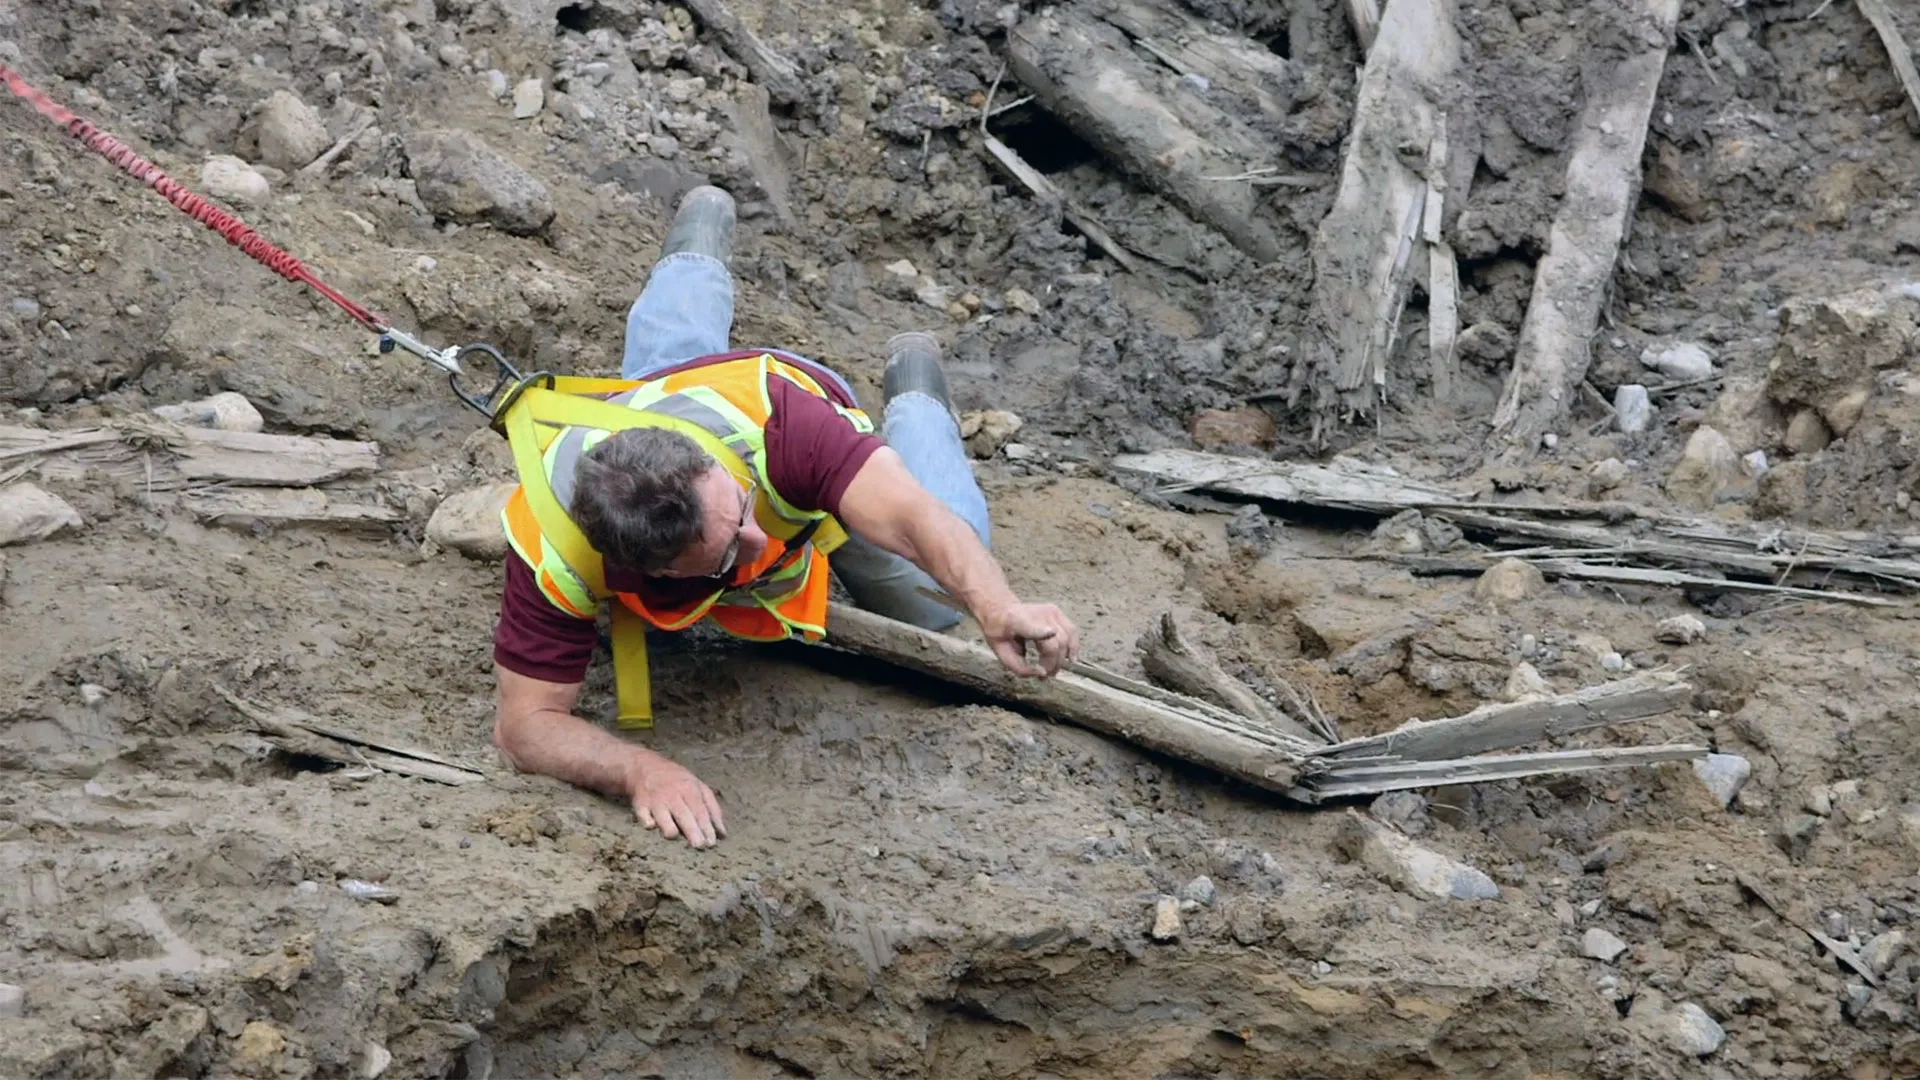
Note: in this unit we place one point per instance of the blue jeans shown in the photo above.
(686, 311)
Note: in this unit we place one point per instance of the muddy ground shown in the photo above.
(917, 884)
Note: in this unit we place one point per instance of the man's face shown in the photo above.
(729, 536)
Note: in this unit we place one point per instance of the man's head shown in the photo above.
(654, 501)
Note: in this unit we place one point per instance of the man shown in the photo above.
(712, 485)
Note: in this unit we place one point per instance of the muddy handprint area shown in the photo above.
(1543, 369)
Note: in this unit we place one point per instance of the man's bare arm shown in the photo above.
(534, 727)
(887, 506)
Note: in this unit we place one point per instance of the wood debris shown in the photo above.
(1572, 281)
(771, 70)
(1882, 19)
(294, 732)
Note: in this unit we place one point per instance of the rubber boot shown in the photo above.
(703, 224)
(913, 366)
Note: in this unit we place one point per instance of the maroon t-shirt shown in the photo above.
(813, 453)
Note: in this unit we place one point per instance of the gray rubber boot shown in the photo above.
(913, 365)
(703, 224)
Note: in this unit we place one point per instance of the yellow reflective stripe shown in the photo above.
(556, 526)
(633, 679)
(581, 384)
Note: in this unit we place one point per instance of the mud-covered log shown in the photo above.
(256, 507)
(1230, 63)
(1173, 139)
(768, 68)
(1363, 251)
(1603, 184)
(1191, 735)
(163, 456)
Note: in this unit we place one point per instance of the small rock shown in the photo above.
(1250, 531)
(1683, 361)
(1754, 464)
(1199, 890)
(1844, 412)
(225, 411)
(13, 1001)
(1563, 914)
(28, 513)
(1819, 800)
(1549, 440)
(292, 134)
(902, 269)
(1680, 630)
(989, 430)
(1408, 866)
(374, 1061)
(933, 294)
(1509, 580)
(1858, 997)
(1606, 475)
(260, 1046)
(233, 181)
(1166, 920)
(1796, 835)
(1691, 1031)
(469, 522)
(528, 99)
(1883, 950)
(1613, 661)
(92, 694)
(497, 84)
(1807, 433)
(1601, 945)
(1724, 775)
(1597, 860)
(462, 179)
(1321, 967)
(368, 891)
(26, 307)
(1404, 810)
(1223, 429)
(1707, 467)
(1590, 908)
(1524, 683)
(1632, 408)
(1487, 342)
(1022, 301)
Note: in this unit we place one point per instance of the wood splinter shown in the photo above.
(1170, 660)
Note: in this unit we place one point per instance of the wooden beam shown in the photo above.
(249, 508)
(1172, 661)
(166, 456)
(296, 732)
(1571, 283)
(1346, 781)
(1173, 139)
(1362, 251)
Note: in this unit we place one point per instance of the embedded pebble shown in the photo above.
(1693, 1032)
(13, 1001)
(1166, 920)
(231, 180)
(1601, 945)
(1680, 630)
(528, 99)
(1724, 775)
(1632, 408)
(1199, 890)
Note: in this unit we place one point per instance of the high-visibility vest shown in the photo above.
(723, 407)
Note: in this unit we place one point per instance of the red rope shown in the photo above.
(237, 232)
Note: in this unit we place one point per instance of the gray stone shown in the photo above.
(29, 513)
(1606, 475)
(1404, 810)
(1022, 301)
(497, 84)
(1708, 466)
(291, 132)
(1632, 408)
(13, 1001)
(1166, 920)
(26, 307)
(469, 522)
(1601, 945)
(1883, 950)
(1409, 866)
(1680, 630)
(463, 179)
(1199, 890)
(225, 411)
(1524, 683)
(528, 99)
(1509, 580)
(1807, 433)
(233, 181)
(1724, 775)
(1682, 361)
(1691, 1031)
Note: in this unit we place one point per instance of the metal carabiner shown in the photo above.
(505, 375)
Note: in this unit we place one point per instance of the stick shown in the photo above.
(317, 168)
(770, 69)
(1570, 284)
(248, 508)
(1041, 188)
(298, 733)
(1170, 660)
(1362, 248)
(1902, 57)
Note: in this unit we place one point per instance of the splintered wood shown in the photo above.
(1570, 284)
(294, 732)
(1256, 743)
(1613, 542)
(1364, 251)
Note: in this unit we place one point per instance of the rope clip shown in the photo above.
(447, 359)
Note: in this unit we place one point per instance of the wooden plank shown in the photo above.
(1603, 184)
(1172, 139)
(1189, 735)
(1499, 727)
(1037, 185)
(1342, 485)
(1348, 781)
(165, 456)
(250, 508)
(1897, 51)
(775, 72)
(1230, 63)
(1171, 660)
(1365, 16)
(1634, 575)
(303, 734)
(1362, 249)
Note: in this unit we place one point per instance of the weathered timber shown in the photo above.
(1192, 734)
(1088, 74)
(1344, 485)
(1172, 661)
(1230, 63)
(297, 733)
(254, 507)
(1363, 249)
(1348, 780)
(782, 79)
(1571, 282)
(164, 456)
(1502, 727)
(1897, 51)
(1037, 185)
(1365, 15)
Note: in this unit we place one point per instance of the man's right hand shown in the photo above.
(668, 797)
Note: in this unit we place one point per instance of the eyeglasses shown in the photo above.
(732, 554)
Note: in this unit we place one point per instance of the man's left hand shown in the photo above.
(1047, 627)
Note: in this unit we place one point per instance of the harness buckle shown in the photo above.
(507, 383)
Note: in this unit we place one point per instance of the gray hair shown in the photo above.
(634, 497)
